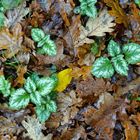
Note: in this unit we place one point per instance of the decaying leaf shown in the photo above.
(131, 132)
(117, 12)
(11, 42)
(34, 129)
(21, 70)
(95, 27)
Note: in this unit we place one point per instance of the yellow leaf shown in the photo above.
(64, 78)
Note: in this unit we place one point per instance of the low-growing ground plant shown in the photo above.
(103, 67)
(37, 90)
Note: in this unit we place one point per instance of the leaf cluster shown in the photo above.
(87, 7)
(120, 59)
(45, 44)
(38, 90)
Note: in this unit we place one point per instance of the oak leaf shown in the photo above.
(95, 27)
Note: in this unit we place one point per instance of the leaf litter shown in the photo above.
(82, 104)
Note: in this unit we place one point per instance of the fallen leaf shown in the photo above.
(95, 27)
(11, 42)
(117, 12)
(64, 78)
(131, 132)
(21, 70)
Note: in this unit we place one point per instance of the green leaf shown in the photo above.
(113, 48)
(49, 47)
(95, 48)
(42, 113)
(137, 2)
(10, 4)
(51, 106)
(87, 7)
(102, 68)
(30, 86)
(4, 86)
(132, 53)
(2, 19)
(120, 65)
(37, 34)
(45, 85)
(36, 98)
(19, 99)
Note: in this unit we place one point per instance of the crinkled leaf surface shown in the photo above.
(42, 113)
(36, 98)
(19, 99)
(102, 68)
(132, 53)
(30, 85)
(49, 47)
(46, 84)
(113, 48)
(37, 34)
(64, 78)
(120, 65)
(4, 86)
(87, 7)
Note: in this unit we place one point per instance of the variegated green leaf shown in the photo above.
(37, 34)
(113, 48)
(132, 53)
(120, 65)
(4, 86)
(19, 99)
(36, 98)
(87, 7)
(46, 84)
(102, 68)
(30, 86)
(48, 48)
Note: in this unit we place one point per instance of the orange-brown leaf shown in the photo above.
(117, 12)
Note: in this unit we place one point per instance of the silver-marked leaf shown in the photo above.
(42, 113)
(132, 53)
(120, 65)
(30, 86)
(113, 48)
(45, 85)
(102, 68)
(48, 48)
(36, 98)
(4, 86)
(51, 106)
(37, 34)
(19, 99)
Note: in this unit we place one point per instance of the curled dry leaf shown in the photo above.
(117, 12)
(34, 129)
(21, 70)
(11, 42)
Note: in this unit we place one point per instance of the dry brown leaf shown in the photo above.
(67, 105)
(21, 70)
(11, 42)
(117, 12)
(83, 71)
(95, 27)
(91, 86)
(131, 132)
(34, 129)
